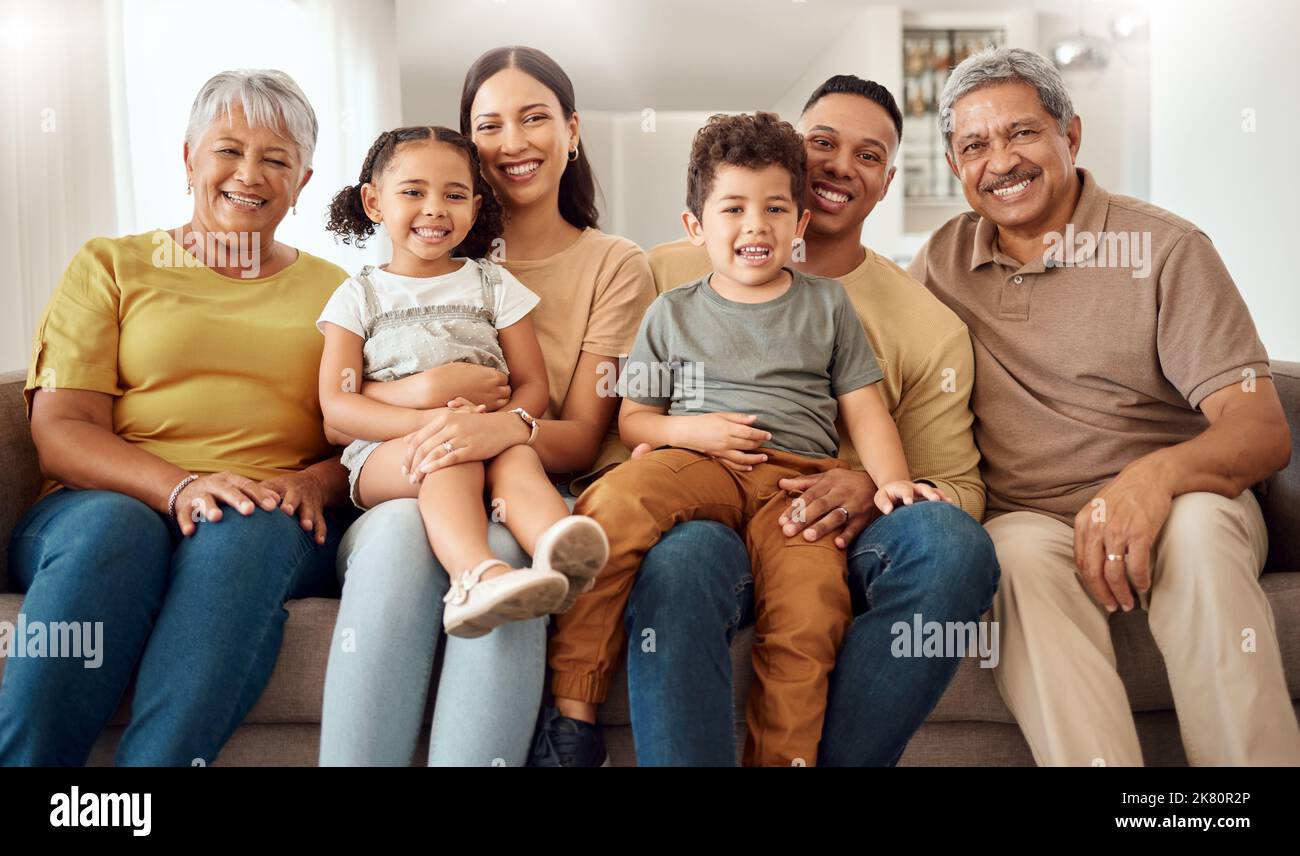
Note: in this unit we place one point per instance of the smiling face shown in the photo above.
(522, 136)
(851, 141)
(245, 179)
(1015, 165)
(748, 223)
(425, 199)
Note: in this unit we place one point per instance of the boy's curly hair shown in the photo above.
(752, 141)
(347, 217)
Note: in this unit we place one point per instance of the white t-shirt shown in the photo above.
(347, 306)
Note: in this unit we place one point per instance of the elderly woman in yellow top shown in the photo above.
(172, 396)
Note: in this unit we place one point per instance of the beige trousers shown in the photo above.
(1207, 613)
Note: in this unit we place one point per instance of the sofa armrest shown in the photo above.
(1280, 495)
(20, 474)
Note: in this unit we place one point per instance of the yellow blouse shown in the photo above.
(208, 372)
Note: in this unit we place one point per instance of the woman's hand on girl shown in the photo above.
(454, 437)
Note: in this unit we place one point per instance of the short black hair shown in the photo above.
(849, 84)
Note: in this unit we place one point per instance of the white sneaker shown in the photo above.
(577, 547)
(474, 606)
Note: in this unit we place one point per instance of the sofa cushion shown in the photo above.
(20, 475)
(1279, 497)
(297, 684)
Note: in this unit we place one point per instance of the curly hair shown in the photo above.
(347, 215)
(752, 141)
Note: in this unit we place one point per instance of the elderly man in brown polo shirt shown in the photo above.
(1123, 408)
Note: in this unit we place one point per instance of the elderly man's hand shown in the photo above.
(1122, 521)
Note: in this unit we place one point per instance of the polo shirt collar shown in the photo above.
(1089, 216)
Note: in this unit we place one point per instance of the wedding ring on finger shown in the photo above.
(1115, 557)
(841, 509)
(448, 447)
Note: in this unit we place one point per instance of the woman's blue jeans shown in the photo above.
(197, 620)
(695, 591)
(489, 689)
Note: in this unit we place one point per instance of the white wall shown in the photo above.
(870, 46)
(1114, 104)
(1211, 62)
(642, 170)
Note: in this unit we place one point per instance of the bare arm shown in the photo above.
(732, 438)
(531, 389)
(1248, 440)
(435, 387)
(571, 443)
(873, 430)
(73, 433)
(645, 423)
(76, 446)
(346, 410)
(875, 437)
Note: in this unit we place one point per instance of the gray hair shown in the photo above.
(270, 99)
(1000, 65)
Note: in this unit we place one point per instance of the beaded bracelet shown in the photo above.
(176, 492)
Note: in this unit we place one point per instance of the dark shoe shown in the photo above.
(564, 742)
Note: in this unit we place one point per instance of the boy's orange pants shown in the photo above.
(801, 598)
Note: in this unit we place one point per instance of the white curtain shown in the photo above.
(116, 79)
(56, 154)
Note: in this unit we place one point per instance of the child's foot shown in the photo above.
(575, 546)
(564, 742)
(475, 605)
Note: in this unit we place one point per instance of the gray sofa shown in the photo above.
(971, 725)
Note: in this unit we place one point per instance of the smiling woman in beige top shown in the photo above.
(518, 107)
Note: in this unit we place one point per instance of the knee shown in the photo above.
(698, 564)
(1024, 549)
(273, 536)
(622, 493)
(516, 459)
(1204, 524)
(963, 557)
(113, 529)
(953, 558)
(1206, 545)
(387, 551)
(115, 520)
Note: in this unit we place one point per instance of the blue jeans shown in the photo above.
(385, 642)
(201, 617)
(695, 590)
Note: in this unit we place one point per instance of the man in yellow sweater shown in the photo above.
(928, 562)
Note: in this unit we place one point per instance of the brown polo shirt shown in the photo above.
(1095, 354)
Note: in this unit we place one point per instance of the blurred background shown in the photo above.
(1192, 104)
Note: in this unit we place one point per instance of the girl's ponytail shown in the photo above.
(347, 215)
(348, 218)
